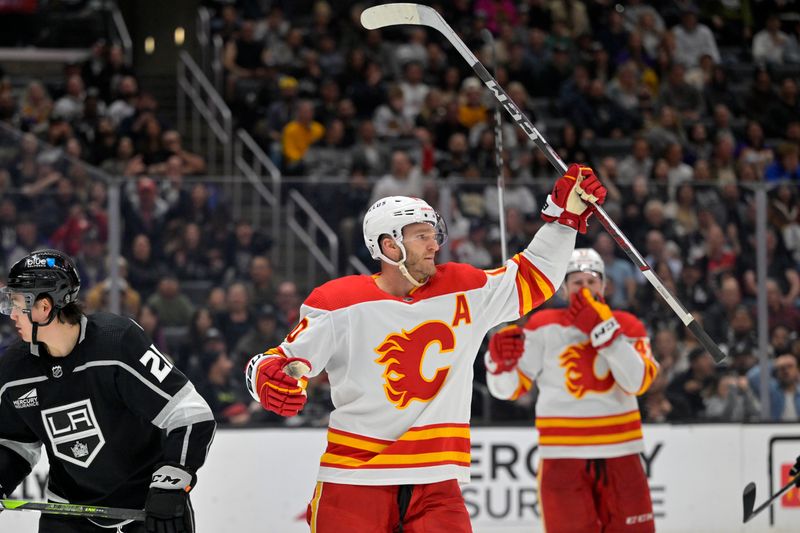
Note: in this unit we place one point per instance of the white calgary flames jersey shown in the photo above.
(587, 405)
(401, 369)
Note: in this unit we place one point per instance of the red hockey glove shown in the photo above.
(573, 192)
(505, 349)
(269, 383)
(594, 318)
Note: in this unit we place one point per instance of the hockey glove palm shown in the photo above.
(593, 317)
(573, 192)
(167, 508)
(505, 349)
(269, 383)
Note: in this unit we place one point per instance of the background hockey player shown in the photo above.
(589, 364)
(121, 425)
(399, 349)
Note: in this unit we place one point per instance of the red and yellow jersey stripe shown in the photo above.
(432, 445)
(533, 287)
(589, 431)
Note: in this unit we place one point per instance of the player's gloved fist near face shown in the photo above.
(167, 506)
(593, 317)
(505, 349)
(273, 387)
(569, 202)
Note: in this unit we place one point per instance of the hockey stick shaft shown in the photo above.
(750, 501)
(394, 14)
(498, 156)
(73, 509)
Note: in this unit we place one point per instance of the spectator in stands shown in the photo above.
(327, 158)
(237, 318)
(404, 179)
(279, 114)
(193, 342)
(414, 89)
(785, 109)
(474, 250)
(244, 58)
(731, 400)
(637, 163)
(287, 300)
(670, 354)
(781, 309)
(124, 106)
(682, 96)
(247, 243)
(685, 391)
(369, 154)
(91, 260)
(779, 267)
(390, 119)
(784, 388)
(27, 240)
(471, 109)
(260, 285)
(188, 254)
(70, 106)
(298, 135)
(35, 108)
(264, 333)
(114, 69)
(148, 319)
(98, 298)
(172, 145)
(786, 166)
(770, 44)
(173, 307)
(225, 396)
(667, 130)
(145, 270)
(145, 212)
(227, 25)
(753, 149)
(693, 39)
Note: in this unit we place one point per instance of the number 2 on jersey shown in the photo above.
(159, 365)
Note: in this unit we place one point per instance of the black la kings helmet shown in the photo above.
(43, 273)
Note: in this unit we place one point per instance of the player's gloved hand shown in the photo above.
(593, 317)
(794, 471)
(269, 383)
(569, 201)
(167, 508)
(505, 349)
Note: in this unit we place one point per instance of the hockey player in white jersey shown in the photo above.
(589, 364)
(399, 349)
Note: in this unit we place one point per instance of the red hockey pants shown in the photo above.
(433, 508)
(595, 496)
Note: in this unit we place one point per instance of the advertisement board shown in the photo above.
(261, 479)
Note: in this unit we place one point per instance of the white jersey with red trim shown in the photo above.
(587, 405)
(401, 369)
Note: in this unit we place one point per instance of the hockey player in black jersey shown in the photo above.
(122, 427)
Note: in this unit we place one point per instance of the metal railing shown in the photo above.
(121, 30)
(308, 237)
(355, 265)
(253, 163)
(210, 47)
(206, 106)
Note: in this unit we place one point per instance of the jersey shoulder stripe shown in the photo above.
(344, 292)
(451, 278)
(548, 317)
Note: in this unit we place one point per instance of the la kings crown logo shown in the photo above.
(74, 433)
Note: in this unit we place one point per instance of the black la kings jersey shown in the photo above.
(107, 414)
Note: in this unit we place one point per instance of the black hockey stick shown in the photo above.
(395, 14)
(72, 509)
(749, 498)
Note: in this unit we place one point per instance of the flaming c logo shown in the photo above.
(403, 353)
(578, 363)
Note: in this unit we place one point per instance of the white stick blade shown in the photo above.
(389, 15)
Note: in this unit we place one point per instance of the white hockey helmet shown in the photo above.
(388, 216)
(586, 260)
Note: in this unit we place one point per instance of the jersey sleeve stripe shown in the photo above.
(185, 447)
(20, 382)
(30, 451)
(185, 408)
(533, 286)
(129, 369)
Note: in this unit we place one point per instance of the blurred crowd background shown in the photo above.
(682, 108)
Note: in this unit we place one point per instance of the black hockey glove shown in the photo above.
(167, 508)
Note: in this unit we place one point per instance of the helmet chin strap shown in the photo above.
(401, 265)
(35, 329)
